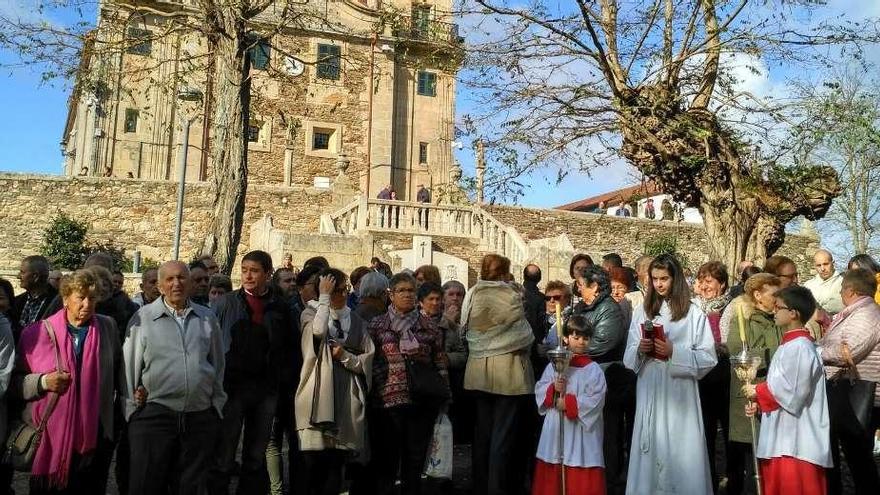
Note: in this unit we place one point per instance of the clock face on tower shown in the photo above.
(293, 66)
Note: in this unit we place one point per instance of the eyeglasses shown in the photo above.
(783, 308)
(404, 291)
(556, 297)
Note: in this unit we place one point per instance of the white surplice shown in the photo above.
(800, 427)
(582, 437)
(668, 453)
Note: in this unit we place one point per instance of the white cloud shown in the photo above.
(750, 73)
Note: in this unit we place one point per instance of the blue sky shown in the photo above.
(34, 117)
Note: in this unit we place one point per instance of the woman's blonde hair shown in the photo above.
(83, 282)
(757, 282)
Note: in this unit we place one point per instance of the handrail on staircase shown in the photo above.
(470, 221)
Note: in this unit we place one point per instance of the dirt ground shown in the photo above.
(461, 476)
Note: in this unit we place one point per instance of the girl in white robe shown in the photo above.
(668, 449)
(576, 401)
(794, 445)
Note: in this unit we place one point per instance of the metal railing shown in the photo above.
(424, 29)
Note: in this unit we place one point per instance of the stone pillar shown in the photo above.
(289, 143)
(381, 143)
(288, 166)
(481, 169)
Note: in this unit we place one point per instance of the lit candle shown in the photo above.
(559, 323)
(742, 326)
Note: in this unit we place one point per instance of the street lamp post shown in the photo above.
(184, 95)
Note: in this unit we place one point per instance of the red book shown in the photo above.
(655, 332)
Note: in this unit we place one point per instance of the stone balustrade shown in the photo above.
(404, 217)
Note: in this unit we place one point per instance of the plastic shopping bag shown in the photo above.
(439, 463)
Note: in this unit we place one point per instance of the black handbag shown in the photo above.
(852, 392)
(24, 438)
(426, 385)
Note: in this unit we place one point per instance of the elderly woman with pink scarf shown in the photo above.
(73, 385)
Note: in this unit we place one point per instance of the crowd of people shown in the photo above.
(195, 386)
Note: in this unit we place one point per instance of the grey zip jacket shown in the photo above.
(178, 360)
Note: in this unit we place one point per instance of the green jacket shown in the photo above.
(763, 336)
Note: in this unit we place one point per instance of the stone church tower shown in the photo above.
(354, 85)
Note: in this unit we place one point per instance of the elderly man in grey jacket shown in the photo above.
(174, 364)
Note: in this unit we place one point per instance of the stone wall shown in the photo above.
(138, 214)
(600, 234)
(135, 213)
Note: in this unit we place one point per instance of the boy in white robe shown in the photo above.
(574, 399)
(794, 445)
(668, 449)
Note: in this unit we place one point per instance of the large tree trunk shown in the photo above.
(229, 142)
(729, 233)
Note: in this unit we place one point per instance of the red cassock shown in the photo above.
(790, 476)
(578, 480)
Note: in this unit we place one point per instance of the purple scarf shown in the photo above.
(402, 324)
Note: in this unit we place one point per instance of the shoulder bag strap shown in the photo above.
(53, 397)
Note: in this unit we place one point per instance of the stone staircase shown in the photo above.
(366, 215)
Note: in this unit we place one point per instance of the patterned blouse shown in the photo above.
(390, 387)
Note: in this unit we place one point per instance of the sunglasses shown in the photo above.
(553, 298)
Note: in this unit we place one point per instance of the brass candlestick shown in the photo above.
(745, 366)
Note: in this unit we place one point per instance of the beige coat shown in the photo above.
(499, 341)
(330, 401)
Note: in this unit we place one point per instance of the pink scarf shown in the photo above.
(73, 425)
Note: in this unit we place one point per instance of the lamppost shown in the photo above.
(184, 94)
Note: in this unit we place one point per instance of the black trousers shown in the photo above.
(500, 456)
(254, 409)
(857, 443)
(363, 476)
(6, 474)
(461, 411)
(400, 439)
(123, 464)
(322, 472)
(715, 404)
(423, 218)
(740, 469)
(618, 419)
(171, 452)
(87, 474)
